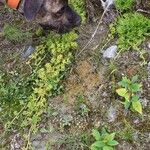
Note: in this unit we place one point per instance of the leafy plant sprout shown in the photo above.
(104, 140)
(129, 91)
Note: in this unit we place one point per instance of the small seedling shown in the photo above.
(66, 121)
(81, 106)
(128, 90)
(104, 140)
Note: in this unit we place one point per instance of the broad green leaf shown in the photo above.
(135, 87)
(137, 106)
(107, 148)
(121, 92)
(96, 134)
(113, 143)
(125, 82)
(98, 144)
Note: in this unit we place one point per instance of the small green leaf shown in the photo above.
(104, 131)
(137, 106)
(125, 82)
(98, 144)
(135, 98)
(135, 87)
(121, 92)
(113, 143)
(107, 148)
(96, 134)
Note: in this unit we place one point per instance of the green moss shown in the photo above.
(124, 5)
(14, 34)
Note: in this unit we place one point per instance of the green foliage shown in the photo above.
(23, 99)
(104, 140)
(58, 48)
(131, 29)
(79, 6)
(14, 34)
(129, 89)
(27, 97)
(124, 5)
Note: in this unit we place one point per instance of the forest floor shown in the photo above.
(88, 99)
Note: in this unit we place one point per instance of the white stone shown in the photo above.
(110, 52)
(112, 114)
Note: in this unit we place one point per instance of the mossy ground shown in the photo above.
(88, 96)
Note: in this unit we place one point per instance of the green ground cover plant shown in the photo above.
(104, 140)
(23, 99)
(129, 91)
(131, 30)
(124, 5)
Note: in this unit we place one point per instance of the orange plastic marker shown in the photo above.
(13, 3)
